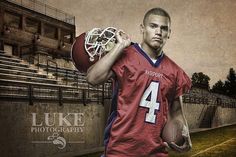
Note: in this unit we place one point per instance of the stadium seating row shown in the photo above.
(23, 81)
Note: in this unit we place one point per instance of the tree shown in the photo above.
(230, 83)
(200, 80)
(218, 87)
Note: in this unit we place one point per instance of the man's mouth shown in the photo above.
(157, 39)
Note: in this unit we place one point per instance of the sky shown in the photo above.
(203, 37)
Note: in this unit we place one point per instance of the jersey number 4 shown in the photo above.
(149, 100)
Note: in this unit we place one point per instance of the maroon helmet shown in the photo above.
(90, 46)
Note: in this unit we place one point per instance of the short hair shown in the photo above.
(156, 11)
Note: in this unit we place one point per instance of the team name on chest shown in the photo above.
(153, 73)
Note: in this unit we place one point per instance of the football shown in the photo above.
(172, 132)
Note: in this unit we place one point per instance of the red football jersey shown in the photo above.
(143, 91)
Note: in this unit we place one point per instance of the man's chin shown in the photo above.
(157, 47)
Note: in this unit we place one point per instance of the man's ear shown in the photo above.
(141, 28)
(169, 32)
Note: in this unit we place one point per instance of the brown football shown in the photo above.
(172, 132)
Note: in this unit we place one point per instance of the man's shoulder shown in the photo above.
(172, 64)
(129, 52)
(130, 48)
(177, 71)
(170, 61)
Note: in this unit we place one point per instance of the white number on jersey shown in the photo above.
(151, 104)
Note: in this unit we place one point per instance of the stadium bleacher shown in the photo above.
(15, 69)
(39, 82)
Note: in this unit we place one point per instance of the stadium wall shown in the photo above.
(224, 116)
(194, 114)
(30, 130)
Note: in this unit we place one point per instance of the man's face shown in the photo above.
(156, 31)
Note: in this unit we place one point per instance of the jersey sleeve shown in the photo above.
(183, 84)
(119, 66)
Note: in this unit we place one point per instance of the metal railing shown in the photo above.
(209, 100)
(194, 99)
(34, 92)
(45, 9)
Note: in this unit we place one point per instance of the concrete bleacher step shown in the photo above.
(60, 69)
(79, 84)
(68, 93)
(25, 73)
(49, 92)
(29, 69)
(2, 53)
(13, 96)
(73, 94)
(10, 59)
(14, 63)
(73, 79)
(41, 91)
(44, 90)
(66, 75)
(6, 81)
(20, 92)
(9, 91)
(62, 74)
(26, 78)
(45, 93)
(5, 86)
(82, 85)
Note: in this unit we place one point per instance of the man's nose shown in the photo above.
(158, 31)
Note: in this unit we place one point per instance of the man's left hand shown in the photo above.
(187, 145)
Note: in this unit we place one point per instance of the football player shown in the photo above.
(148, 91)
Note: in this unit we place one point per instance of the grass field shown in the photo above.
(219, 142)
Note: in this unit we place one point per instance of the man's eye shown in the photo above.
(153, 26)
(164, 28)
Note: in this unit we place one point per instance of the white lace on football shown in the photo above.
(99, 41)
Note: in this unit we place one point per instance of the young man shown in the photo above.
(148, 90)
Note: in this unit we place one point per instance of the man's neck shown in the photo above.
(152, 53)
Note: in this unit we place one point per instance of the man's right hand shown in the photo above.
(123, 39)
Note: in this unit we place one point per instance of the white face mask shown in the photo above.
(99, 41)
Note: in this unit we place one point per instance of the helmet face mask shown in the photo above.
(99, 41)
(90, 46)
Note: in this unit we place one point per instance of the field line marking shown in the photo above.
(212, 147)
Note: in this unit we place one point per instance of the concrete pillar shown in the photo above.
(1, 19)
(41, 28)
(23, 23)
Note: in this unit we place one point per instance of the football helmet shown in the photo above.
(90, 46)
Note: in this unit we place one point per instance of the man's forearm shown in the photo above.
(177, 111)
(101, 70)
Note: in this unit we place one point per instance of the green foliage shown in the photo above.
(228, 87)
(219, 87)
(230, 83)
(200, 80)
